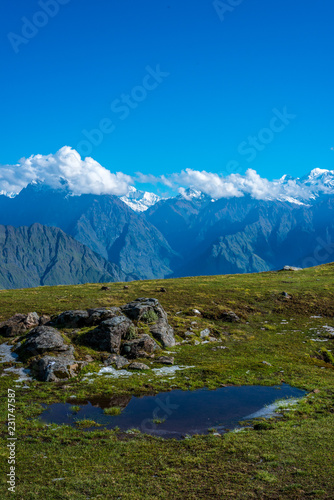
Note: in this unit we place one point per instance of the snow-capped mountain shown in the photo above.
(309, 187)
(193, 194)
(320, 178)
(140, 201)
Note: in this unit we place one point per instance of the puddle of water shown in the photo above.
(177, 413)
(7, 356)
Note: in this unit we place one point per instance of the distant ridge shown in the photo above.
(39, 255)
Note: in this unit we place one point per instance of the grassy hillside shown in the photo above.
(291, 457)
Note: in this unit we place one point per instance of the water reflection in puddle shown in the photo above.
(176, 413)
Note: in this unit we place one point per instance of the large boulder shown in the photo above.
(164, 333)
(96, 316)
(108, 335)
(43, 339)
(18, 324)
(71, 319)
(91, 317)
(149, 310)
(144, 309)
(139, 348)
(55, 369)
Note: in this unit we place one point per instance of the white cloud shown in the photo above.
(237, 185)
(83, 176)
(88, 176)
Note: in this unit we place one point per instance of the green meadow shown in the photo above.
(290, 457)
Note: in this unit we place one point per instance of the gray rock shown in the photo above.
(266, 363)
(117, 360)
(149, 309)
(205, 333)
(96, 316)
(164, 333)
(43, 339)
(230, 316)
(54, 369)
(286, 295)
(291, 268)
(139, 348)
(138, 366)
(105, 288)
(31, 320)
(139, 308)
(108, 335)
(71, 319)
(44, 319)
(18, 324)
(165, 360)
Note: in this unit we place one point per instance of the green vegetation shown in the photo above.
(286, 458)
(149, 317)
(75, 408)
(114, 410)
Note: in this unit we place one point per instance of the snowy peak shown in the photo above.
(140, 201)
(192, 194)
(319, 177)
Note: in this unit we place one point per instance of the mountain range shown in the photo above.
(40, 255)
(50, 236)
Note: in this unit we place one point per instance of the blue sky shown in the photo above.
(223, 83)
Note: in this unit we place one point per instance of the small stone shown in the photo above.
(196, 311)
(205, 333)
(266, 363)
(212, 339)
(119, 361)
(163, 290)
(230, 316)
(189, 334)
(286, 295)
(125, 287)
(105, 288)
(138, 366)
(196, 342)
(165, 360)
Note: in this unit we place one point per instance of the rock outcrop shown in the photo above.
(51, 356)
(56, 368)
(139, 348)
(150, 311)
(43, 339)
(18, 324)
(108, 335)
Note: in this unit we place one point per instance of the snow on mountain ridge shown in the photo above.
(140, 201)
